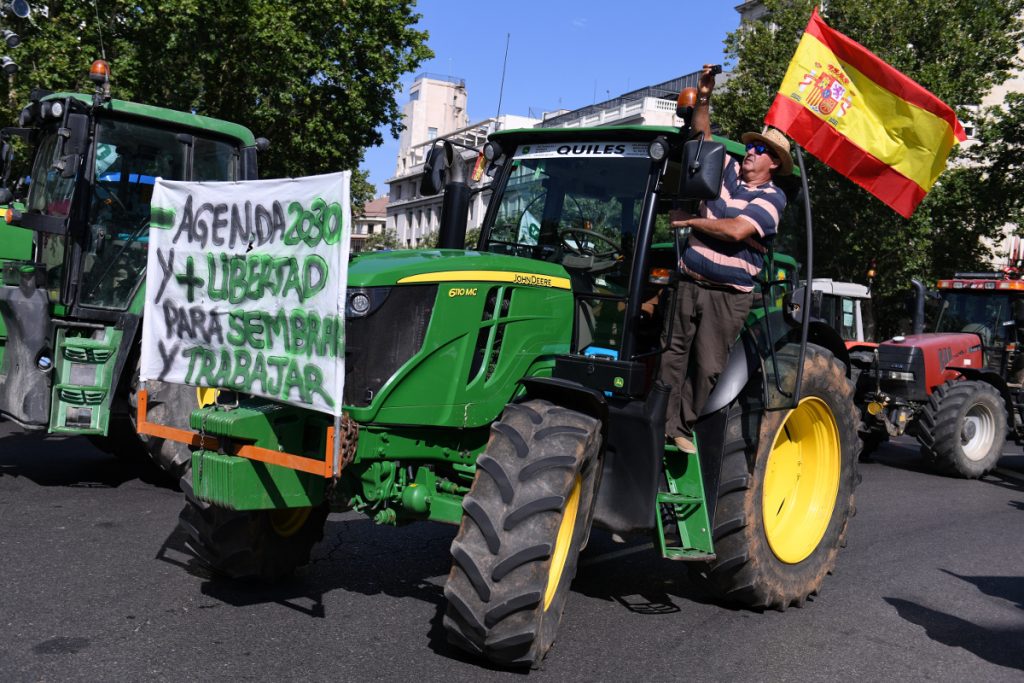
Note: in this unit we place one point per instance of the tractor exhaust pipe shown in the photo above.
(455, 206)
(919, 294)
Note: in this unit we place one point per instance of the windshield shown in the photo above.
(129, 157)
(981, 312)
(49, 193)
(580, 211)
(578, 205)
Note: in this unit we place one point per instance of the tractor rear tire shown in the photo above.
(526, 518)
(786, 493)
(260, 544)
(963, 428)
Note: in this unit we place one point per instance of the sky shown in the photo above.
(562, 54)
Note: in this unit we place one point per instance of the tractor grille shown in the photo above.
(902, 359)
(485, 354)
(377, 345)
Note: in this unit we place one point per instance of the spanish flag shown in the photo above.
(864, 118)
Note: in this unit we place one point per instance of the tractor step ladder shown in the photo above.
(684, 531)
(82, 388)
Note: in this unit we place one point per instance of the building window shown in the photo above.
(414, 95)
(431, 133)
(398, 192)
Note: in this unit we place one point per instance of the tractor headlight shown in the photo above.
(362, 301)
(492, 151)
(53, 110)
(901, 376)
(658, 149)
(359, 303)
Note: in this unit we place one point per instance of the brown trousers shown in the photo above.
(705, 324)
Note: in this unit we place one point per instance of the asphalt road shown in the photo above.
(97, 586)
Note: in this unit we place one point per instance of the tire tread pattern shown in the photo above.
(745, 571)
(503, 550)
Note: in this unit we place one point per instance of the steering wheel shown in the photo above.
(582, 255)
(112, 261)
(111, 195)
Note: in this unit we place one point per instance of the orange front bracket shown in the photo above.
(323, 468)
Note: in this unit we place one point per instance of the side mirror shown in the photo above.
(434, 169)
(78, 134)
(69, 164)
(793, 305)
(700, 176)
(75, 145)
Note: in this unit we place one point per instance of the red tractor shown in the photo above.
(957, 388)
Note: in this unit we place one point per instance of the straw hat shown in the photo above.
(778, 143)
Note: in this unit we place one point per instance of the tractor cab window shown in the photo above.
(129, 157)
(982, 312)
(49, 192)
(580, 211)
(214, 160)
(577, 205)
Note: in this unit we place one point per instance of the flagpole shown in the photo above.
(805, 318)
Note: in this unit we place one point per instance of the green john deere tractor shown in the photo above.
(73, 252)
(510, 390)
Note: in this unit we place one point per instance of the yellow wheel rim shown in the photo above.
(206, 396)
(563, 542)
(801, 481)
(287, 522)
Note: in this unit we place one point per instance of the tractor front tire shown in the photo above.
(167, 404)
(260, 544)
(786, 492)
(963, 428)
(526, 518)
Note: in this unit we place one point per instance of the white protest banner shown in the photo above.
(245, 287)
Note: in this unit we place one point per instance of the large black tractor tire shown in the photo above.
(786, 493)
(262, 544)
(962, 429)
(526, 518)
(170, 405)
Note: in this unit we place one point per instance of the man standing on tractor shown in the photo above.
(723, 254)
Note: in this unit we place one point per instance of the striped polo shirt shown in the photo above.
(735, 264)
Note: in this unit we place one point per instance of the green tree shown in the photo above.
(382, 240)
(430, 240)
(957, 49)
(317, 78)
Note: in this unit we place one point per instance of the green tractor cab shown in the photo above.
(75, 239)
(511, 390)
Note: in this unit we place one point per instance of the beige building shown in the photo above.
(437, 104)
(436, 108)
(370, 222)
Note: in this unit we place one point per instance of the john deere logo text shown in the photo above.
(825, 90)
(535, 280)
